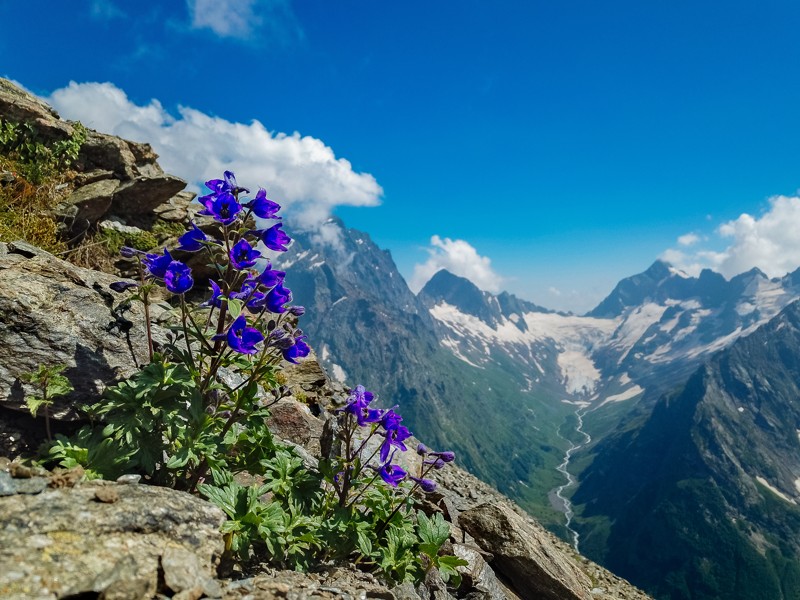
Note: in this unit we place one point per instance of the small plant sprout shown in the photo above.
(50, 384)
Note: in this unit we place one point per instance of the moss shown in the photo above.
(166, 229)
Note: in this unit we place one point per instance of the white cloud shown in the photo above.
(243, 18)
(688, 239)
(769, 242)
(299, 172)
(460, 258)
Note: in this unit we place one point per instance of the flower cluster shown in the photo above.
(244, 275)
(385, 423)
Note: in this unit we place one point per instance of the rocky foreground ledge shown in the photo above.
(64, 537)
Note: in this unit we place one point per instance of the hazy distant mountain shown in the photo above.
(700, 499)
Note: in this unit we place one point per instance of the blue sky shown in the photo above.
(546, 148)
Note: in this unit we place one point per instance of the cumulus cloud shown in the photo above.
(769, 242)
(689, 239)
(242, 18)
(460, 258)
(299, 172)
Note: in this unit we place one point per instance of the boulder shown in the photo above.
(525, 555)
(90, 202)
(19, 106)
(179, 208)
(102, 152)
(144, 193)
(108, 540)
(52, 312)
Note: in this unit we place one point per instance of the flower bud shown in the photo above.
(446, 456)
(422, 450)
(122, 286)
(427, 485)
(128, 252)
(297, 311)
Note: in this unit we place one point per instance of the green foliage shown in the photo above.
(433, 533)
(51, 384)
(36, 159)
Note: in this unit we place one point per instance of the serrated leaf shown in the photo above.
(434, 530)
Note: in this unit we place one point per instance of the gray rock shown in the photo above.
(115, 224)
(179, 208)
(108, 153)
(92, 201)
(63, 542)
(478, 574)
(52, 312)
(525, 555)
(292, 420)
(144, 193)
(19, 106)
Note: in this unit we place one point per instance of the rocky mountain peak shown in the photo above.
(460, 292)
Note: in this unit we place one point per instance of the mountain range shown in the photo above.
(532, 400)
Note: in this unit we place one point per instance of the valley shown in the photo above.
(532, 400)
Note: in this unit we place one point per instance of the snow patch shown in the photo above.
(775, 490)
(580, 374)
(339, 373)
(626, 395)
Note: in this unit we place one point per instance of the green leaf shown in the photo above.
(34, 403)
(235, 307)
(447, 568)
(363, 543)
(434, 531)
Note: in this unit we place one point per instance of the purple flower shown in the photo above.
(277, 298)
(299, 350)
(427, 485)
(243, 255)
(275, 239)
(391, 420)
(156, 264)
(422, 449)
(223, 207)
(215, 295)
(226, 185)
(437, 463)
(270, 277)
(178, 277)
(394, 437)
(391, 474)
(447, 456)
(358, 405)
(250, 295)
(192, 240)
(242, 338)
(128, 252)
(297, 311)
(263, 207)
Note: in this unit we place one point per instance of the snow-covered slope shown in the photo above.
(653, 329)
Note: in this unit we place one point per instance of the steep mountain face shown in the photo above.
(369, 328)
(700, 499)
